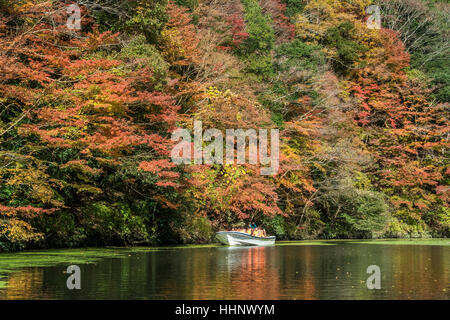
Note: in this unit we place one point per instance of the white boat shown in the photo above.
(234, 238)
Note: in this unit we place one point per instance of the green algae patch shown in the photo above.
(10, 262)
(47, 258)
(307, 243)
(333, 242)
(417, 242)
(192, 246)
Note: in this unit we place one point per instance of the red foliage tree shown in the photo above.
(75, 113)
(407, 132)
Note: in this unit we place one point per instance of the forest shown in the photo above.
(87, 112)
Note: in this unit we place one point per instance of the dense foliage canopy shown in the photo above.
(86, 118)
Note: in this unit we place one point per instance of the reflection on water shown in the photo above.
(252, 273)
(279, 272)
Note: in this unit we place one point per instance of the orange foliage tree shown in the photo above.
(72, 116)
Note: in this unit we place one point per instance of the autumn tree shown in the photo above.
(77, 115)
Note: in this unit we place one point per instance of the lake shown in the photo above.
(410, 269)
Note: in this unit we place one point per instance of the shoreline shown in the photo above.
(218, 244)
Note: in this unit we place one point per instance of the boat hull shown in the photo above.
(233, 238)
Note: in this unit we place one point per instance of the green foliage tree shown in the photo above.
(348, 50)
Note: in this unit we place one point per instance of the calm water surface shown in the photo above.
(315, 270)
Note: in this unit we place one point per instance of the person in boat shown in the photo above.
(253, 229)
(259, 232)
(238, 229)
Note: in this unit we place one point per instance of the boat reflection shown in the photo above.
(252, 272)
